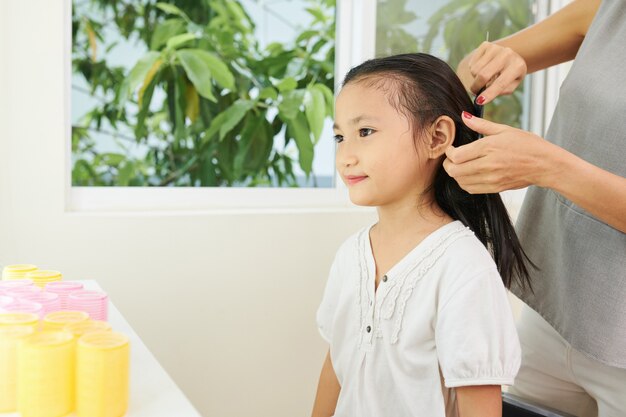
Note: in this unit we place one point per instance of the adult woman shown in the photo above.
(573, 221)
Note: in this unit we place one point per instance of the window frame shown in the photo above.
(219, 199)
(354, 44)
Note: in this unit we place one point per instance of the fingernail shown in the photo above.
(480, 100)
(467, 115)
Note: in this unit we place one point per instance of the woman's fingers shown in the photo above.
(482, 126)
(505, 159)
(498, 68)
(465, 153)
(481, 75)
(479, 176)
(505, 82)
(478, 148)
(488, 52)
(469, 168)
(482, 175)
(478, 58)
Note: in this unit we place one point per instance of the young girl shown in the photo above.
(415, 308)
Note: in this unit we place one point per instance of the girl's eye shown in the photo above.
(366, 131)
(338, 138)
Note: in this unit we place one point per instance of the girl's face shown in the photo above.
(377, 155)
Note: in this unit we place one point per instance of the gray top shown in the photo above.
(581, 286)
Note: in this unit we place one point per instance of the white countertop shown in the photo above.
(152, 392)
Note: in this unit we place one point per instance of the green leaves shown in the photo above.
(315, 109)
(296, 68)
(138, 74)
(268, 92)
(290, 105)
(110, 158)
(148, 79)
(171, 9)
(201, 68)
(178, 40)
(287, 84)
(220, 100)
(329, 97)
(255, 145)
(297, 129)
(317, 13)
(393, 36)
(228, 119)
(499, 18)
(125, 173)
(233, 115)
(165, 31)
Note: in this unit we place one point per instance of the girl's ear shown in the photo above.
(441, 136)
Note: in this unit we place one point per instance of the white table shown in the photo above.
(152, 391)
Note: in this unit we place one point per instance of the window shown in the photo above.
(450, 30)
(216, 93)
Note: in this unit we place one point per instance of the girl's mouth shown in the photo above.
(355, 179)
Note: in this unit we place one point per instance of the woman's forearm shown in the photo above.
(555, 39)
(508, 158)
(601, 193)
(497, 68)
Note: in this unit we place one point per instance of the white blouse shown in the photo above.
(439, 319)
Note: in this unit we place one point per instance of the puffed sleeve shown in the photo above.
(328, 306)
(476, 339)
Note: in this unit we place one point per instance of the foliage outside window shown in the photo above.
(452, 30)
(205, 104)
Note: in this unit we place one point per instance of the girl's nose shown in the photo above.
(345, 155)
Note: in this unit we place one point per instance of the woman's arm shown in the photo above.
(555, 39)
(601, 193)
(479, 401)
(502, 65)
(508, 158)
(327, 391)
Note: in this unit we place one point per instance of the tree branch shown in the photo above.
(106, 132)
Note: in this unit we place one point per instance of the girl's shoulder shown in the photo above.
(354, 243)
(455, 246)
(467, 259)
(470, 253)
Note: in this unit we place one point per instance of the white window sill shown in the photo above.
(192, 200)
(85, 200)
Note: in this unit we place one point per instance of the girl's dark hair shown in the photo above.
(423, 88)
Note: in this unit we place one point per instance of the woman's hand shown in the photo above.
(498, 68)
(505, 159)
(508, 158)
(501, 65)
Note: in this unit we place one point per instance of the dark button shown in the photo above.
(384, 278)
(368, 329)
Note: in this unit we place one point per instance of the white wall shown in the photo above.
(225, 302)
